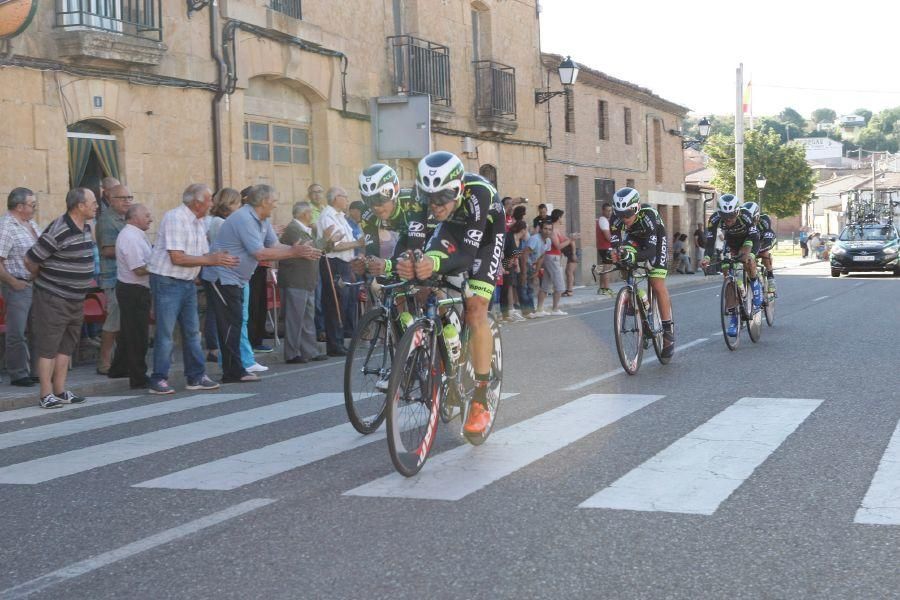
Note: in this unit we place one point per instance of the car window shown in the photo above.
(868, 233)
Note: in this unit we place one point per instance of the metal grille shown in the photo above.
(291, 8)
(421, 67)
(495, 90)
(136, 18)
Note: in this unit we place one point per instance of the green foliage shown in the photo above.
(789, 115)
(864, 113)
(824, 115)
(789, 179)
(719, 124)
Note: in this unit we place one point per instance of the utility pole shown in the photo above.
(739, 134)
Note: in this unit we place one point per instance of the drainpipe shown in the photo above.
(215, 40)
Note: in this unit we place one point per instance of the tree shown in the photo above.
(865, 113)
(824, 115)
(789, 115)
(789, 179)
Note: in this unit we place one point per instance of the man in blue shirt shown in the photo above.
(247, 235)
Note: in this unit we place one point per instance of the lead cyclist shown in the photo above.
(471, 227)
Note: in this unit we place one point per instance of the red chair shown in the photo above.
(95, 307)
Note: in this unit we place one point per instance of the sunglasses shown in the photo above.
(439, 198)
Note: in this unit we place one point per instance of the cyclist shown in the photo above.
(741, 240)
(638, 234)
(469, 238)
(393, 209)
(766, 239)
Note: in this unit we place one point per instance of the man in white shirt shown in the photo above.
(333, 230)
(133, 291)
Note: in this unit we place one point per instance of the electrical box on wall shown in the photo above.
(401, 126)
(468, 145)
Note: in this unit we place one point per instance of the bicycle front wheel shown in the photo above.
(730, 297)
(367, 370)
(628, 330)
(413, 400)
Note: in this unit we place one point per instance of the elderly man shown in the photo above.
(109, 224)
(133, 291)
(247, 235)
(181, 250)
(297, 279)
(62, 263)
(335, 231)
(315, 195)
(18, 233)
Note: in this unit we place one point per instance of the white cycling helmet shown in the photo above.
(728, 205)
(378, 184)
(752, 209)
(626, 202)
(439, 178)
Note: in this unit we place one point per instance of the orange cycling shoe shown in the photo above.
(479, 419)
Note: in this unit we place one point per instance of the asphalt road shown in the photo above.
(767, 472)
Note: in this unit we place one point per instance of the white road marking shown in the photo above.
(608, 374)
(466, 469)
(881, 506)
(819, 298)
(109, 419)
(36, 411)
(83, 567)
(698, 472)
(235, 471)
(54, 466)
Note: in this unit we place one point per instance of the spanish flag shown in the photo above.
(748, 98)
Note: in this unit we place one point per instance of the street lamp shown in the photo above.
(760, 186)
(703, 127)
(568, 73)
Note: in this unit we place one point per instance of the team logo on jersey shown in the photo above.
(476, 264)
(475, 235)
(416, 227)
(449, 246)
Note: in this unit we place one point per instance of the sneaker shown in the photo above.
(245, 378)
(204, 383)
(479, 419)
(257, 368)
(733, 326)
(68, 397)
(516, 315)
(161, 387)
(605, 292)
(538, 314)
(668, 348)
(50, 401)
(262, 349)
(558, 313)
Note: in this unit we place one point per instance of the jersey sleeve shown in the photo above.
(712, 227)
(369, 226)
(478, 199)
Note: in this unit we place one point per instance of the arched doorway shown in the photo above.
(93, 154)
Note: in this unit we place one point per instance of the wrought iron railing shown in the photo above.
(291, 8)
(421, 67)
(495, 90)
(137, 18)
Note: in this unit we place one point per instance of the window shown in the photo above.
(570, 111)
(603, 119)
(629, 183)
(276, 143)
(657, 150)
(291, 8)
(628, 137)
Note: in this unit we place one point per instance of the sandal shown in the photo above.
(566, 293)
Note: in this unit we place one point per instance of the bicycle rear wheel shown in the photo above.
(730, 290)
(493, 395)
(655, 322)
(413, 400)
(628, 330)
(367, 370)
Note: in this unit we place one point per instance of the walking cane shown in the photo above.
(334, 292)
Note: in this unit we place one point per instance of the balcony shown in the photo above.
(495, 97)
(422, 67)
(128, 31)
(291, 8)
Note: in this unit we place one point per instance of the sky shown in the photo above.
(799, 53)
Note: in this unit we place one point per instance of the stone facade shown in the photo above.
(586, 163)
(155, 96)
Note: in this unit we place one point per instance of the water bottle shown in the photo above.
(451, 340)
(406, 320)
(643, 296)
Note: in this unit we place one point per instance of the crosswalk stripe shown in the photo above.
(18, 414)
(108, 419)
(84, 459)
(881, 505)
(698, 472)
(232, 472)
(466, 469)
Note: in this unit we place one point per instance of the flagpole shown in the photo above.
(739, 134)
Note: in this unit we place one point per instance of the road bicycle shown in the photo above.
(636, 320)
(736, 298)
(432, 378)
(367, 369)
(768, 299)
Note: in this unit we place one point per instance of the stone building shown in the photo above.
(162, 93)
(604, 134)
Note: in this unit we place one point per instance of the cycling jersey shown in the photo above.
(471, 239)
(740, 233)
(407, 210)
(766, 233)
(647, 235)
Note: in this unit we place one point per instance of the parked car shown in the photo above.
(866, 247)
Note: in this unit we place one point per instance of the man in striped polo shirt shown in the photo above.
(62, 263)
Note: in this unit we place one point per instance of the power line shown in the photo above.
(815, 89)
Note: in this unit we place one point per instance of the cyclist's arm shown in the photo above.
(369, 228)
(478, 203)
(712, 228)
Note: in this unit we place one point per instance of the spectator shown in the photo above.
(682, 260)
(315, 195)
(18, 233)
(699, 243)
(540, 218)
(354, 217)
(518, 214)
(334, 228)
(297, 279)
(109, 224)
(553, 277)
(225, 202)
(133, 293)
(512, 249)
(248, 236)
(804, 247)
(567, 248)
(106, 186)
(62, 265)
(812, 244)
(604, 247)
(181, 250)
(535, 253)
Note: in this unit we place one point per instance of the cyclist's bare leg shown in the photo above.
(481, 340)
(662, 297)
(766, 257)
(748, 261)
